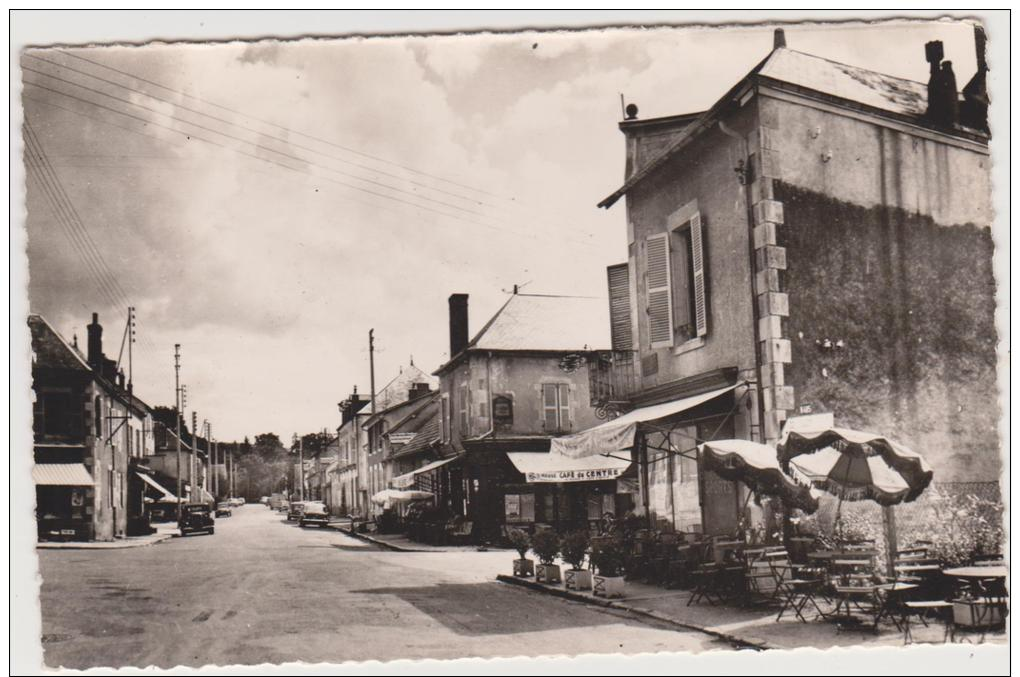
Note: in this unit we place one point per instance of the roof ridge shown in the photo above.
(850, 65)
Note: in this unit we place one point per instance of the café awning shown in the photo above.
(61, 475)
(166, 495)
(618, 434)
(555, 467)
(407, 479)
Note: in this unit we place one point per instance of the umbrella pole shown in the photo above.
(890, 539)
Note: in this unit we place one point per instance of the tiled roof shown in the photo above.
(50, 349)
(426, 436)
(859, 85)
(547, 323)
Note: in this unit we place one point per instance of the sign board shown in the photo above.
(401, 438)
(586, 475)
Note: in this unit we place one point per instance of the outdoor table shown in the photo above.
(915, 568)
(977, 573)
(988, 599)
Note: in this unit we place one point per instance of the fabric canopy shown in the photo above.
(62, 475)
(166, 495)
(556, 467)
(387, 497)
(856, 465)
(757, 466)
(618, 434)
(407, 479)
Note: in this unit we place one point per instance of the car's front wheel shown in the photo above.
(212, 531)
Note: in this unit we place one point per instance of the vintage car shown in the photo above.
(295, 510)
(314, 512)
(223, 509)
(196, 517)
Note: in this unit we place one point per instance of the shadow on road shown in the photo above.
(487, 609)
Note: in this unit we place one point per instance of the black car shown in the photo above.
(313, 513)
(196, 517)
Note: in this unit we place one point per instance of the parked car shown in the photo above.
(196, 517)
(294, 512)
(235, 502)
(223, 509)
(315, 513)
(264, 500)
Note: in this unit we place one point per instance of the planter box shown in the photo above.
(524, 567)
(548, 573)
(577, 579)
(977, 613)
(607, 586)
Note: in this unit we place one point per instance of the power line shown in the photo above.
(295, 158)
(281, 127)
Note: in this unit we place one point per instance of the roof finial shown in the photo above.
(778, 38)
(412, 360)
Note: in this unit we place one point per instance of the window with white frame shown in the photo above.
(556, 406)
(676, 304)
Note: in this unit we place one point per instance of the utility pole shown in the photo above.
(371, 364)
(216, 474)
(208, 457)
(230, 473)
(301, 464)
(194, 454)
(177, 411)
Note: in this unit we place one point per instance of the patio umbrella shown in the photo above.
(855, 465)
(757, 466)
(387, 497)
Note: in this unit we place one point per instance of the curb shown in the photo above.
(105, 545)
(757, 645)
(368, 539)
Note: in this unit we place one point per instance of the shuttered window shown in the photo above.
(463, 408)
(556, 406)
(619, 307)
(660, 302)
(690, 316)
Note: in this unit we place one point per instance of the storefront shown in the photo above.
(64, 501)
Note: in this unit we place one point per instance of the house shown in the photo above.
(168, 465)
(817, 241)
(92, 440)
(381, 446)
(522, 381)
(348, 487)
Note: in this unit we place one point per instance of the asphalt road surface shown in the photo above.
(262, 590)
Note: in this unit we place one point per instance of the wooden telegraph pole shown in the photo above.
(179, 405)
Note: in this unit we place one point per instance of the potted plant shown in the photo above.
(574, 548)
(546, 544)
(607, 555)
(521, 542)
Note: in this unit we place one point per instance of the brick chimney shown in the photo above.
(974, 111)
(943, 104)
(778, 38)
(458, 323)
(95, 354)
(418, 390)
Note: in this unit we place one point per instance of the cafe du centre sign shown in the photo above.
(585, 475)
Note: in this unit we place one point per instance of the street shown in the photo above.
(264, 590)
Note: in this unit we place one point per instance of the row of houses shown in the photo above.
(106, 464)
(816, 242)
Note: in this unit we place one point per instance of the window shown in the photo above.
(97, 413)
(675, 284)
(57, 414)
(444, 417)
(556, 406)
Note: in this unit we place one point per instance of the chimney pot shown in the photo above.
(95, 347)
(778, 38)
(458, 323)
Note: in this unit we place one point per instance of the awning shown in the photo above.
(387, 497)
(62, 475)
(407, 479)
(618, 435)
(167, 495)
(555, 467)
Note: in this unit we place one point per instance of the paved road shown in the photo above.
(262, 590)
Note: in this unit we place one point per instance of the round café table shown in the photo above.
(972, 573)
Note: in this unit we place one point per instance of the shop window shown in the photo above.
(519, 508)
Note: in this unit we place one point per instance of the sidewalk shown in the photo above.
(401, 543)
(164, 532)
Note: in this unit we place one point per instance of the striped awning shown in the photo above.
(61, 475)
(167, 495)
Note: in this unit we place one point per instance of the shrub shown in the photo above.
(519, 541)
(575, 547)
(546, 545)
(608, 556)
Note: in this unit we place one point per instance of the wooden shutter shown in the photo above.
(550, 408)
(619, 307)
(698, 261)
(564, 407)
(660, 301)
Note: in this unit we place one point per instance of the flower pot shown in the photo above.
(577, 579)
(607, 586)
(548, 573)
(524, 567)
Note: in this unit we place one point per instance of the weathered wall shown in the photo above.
(913, 304)
(704, 172)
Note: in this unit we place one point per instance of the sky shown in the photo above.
(265, 204)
